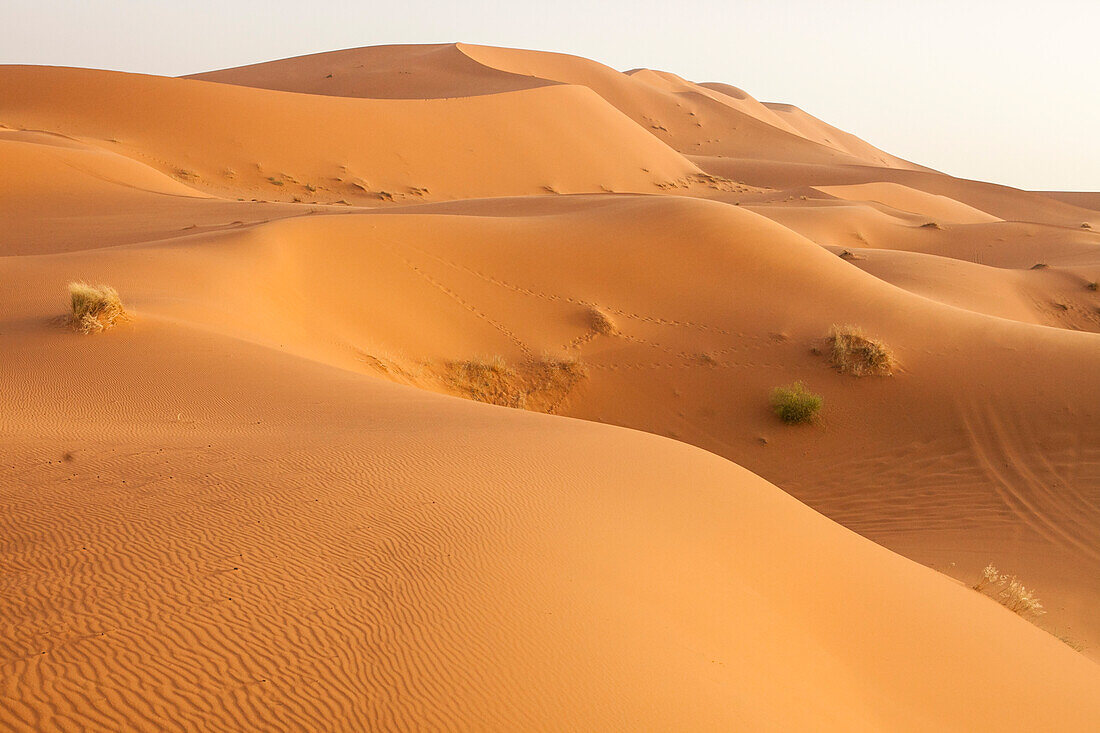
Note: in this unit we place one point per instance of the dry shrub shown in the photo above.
(1009, 592)
(601, 323)
(549, 381)
(540, 385)
(490, 380)
(95, 308)
(856, 353)
(795, 404)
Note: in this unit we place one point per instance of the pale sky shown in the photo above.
(999, 91)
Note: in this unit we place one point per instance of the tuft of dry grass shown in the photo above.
(795, 404)
(548, 381)
(540, 385)
(95, 308)
(930, 225)
(1009, 592)
(1092, 285)
(487, 380)
(601, 323)
(856, 353)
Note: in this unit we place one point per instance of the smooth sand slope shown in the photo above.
(236, 511)
(691, 118)
(187, 549)
(233, 141)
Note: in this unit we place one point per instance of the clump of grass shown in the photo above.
(795, 404)
(1040, 266)
(487, 380)
(856, 353)
(1092, 285)
(1086, 225)
(548, 381)
(930, 225)
(540, 384)
(95, 308)
(1009, 592)
(601, 323)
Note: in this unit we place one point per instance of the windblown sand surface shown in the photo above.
(258, 505)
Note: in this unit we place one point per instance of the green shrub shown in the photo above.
(795, 404)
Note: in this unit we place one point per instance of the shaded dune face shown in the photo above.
(257, 503)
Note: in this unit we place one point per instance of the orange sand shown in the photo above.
(257, 505)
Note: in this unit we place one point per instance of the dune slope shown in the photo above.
(233, 141)
(184, 551)
(379, 72)
(739, 308)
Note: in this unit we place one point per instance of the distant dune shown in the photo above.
(256, 503)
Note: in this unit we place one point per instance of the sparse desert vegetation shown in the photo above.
(601, 323)
(795, 404)
(539, 385)
(853, 352)
(487, 380)
(1009, 592)
(95, 308)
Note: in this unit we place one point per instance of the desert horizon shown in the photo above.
(463, 387)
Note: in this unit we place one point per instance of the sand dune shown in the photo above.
(691, 118)
(379, 72)
(355, 150)
(1000, 201)
(1083, 199)
(61, 195)
(209, 560)
(936, 208)
(258, 504)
